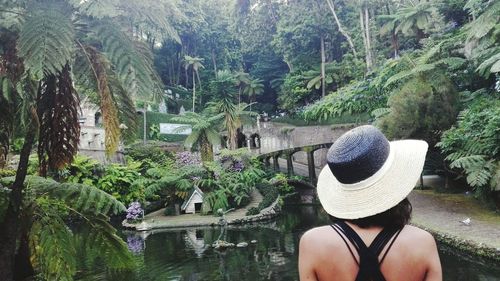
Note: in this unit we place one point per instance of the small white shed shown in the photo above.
(194, 202)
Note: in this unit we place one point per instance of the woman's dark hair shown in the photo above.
(397, 216)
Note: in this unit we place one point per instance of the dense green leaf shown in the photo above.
(46, 42)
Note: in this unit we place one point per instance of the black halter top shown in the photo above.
(369, 265)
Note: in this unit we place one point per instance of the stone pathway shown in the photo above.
(443, 213)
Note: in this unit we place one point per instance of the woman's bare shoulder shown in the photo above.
(412, 236)
(411, 231)
(320, 237)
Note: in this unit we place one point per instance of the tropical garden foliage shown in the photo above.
(422, 69)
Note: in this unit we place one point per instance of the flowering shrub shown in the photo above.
(237, 166)
(134, 211)
(186, 158)
(232, 164)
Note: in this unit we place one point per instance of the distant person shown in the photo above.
(364, 188)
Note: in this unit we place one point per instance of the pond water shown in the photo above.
(186, 254)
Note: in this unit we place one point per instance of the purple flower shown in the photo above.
(237, 166)
(186, 158)
(134, 211)
(135, 244)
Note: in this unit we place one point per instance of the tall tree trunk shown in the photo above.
(201, 89)
(22, 262)
(395, 44)
(239, 95)
(194, 90)
(323, 74)
(10, 225)
(214, 62)
(368, 37)
(365, 43)
(206, 150)
(341, 29)
(179, 66)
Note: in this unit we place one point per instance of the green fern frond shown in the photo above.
(403, 75)
(468, 162)
(82, 198)
(486, 22)
(479, 177)
(153, 17)
(53, 252)
(379, 112)
(98, 235)
(490, 65)
(46, 42)
(453, 63)
(11, 18)
(131, 66)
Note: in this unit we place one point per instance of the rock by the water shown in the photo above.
(221, 244)
(242, 244)
(253, 241)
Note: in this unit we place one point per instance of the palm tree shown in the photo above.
(234, 118)
(253, 89)
(242, 80)
(56, 51)
(223, 85)
(204, 132)
(195, 63)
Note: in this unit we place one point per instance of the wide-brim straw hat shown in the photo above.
(367, 175)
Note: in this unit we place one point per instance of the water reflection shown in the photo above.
(187, 254)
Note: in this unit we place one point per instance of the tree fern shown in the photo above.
(486, 22)
(46, 42)
(53, 244)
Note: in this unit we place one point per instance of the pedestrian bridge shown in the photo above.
(288, 154)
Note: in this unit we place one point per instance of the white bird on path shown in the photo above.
(466, 221)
